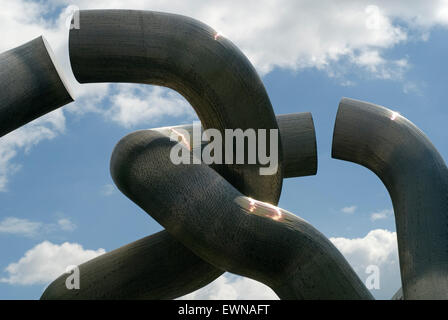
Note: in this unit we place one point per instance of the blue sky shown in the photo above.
(55, 183)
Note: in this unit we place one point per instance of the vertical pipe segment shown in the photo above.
(416, 176)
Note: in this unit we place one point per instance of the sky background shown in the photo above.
(60, 206)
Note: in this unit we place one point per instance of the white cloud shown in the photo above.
(379, 248)
(27, 228)
(380, 215)
(23, 139)
(349, 210)
(296, 34)
(232, 287)
(46, 261)
(136, 105)
(287, 34)
(17, 226)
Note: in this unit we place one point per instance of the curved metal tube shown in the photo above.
(31, 84)
(416, 177)
(233, 232)
(154, 267)
(157, 266)
(298, 138)
(186, 55)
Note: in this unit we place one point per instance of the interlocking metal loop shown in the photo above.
(223, 217)
(158, 266)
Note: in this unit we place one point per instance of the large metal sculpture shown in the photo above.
(159, 266)
(223, 217)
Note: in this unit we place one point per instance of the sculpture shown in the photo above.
(245, 235)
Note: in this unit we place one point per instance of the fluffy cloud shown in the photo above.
(296, 34)
(46, 261)
(27, 228)
(231, 287)
(286, 34)
(135, 105)
(378, 248)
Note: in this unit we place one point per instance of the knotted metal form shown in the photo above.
(224, 217)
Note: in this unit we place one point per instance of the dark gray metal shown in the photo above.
(31, 85)
(416, 176)
(298, 139)
(158, 267)
(299, 144)
(186, 55)
(235, 233)
(154, 267)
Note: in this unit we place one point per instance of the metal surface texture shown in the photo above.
(416, 176)
(32, 85)
(155, 267)
(298, 140)
(230, 231)
(186, 55)
(158, 266)
(224, 217)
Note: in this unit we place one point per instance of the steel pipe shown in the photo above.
(154, 267)
(298, 140)
(416, 176)
(31, 84)
(158, 266)
(188, 56)
(231, 231)
(185, 55)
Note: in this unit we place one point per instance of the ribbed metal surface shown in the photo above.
(31, 85)
(215, 221)
(416, 177)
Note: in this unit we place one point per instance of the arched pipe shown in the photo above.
(158, 266)
(188, 56)
(416, 176)
(31, 84)
(298, 140)
(230, 231)
(185, 55)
